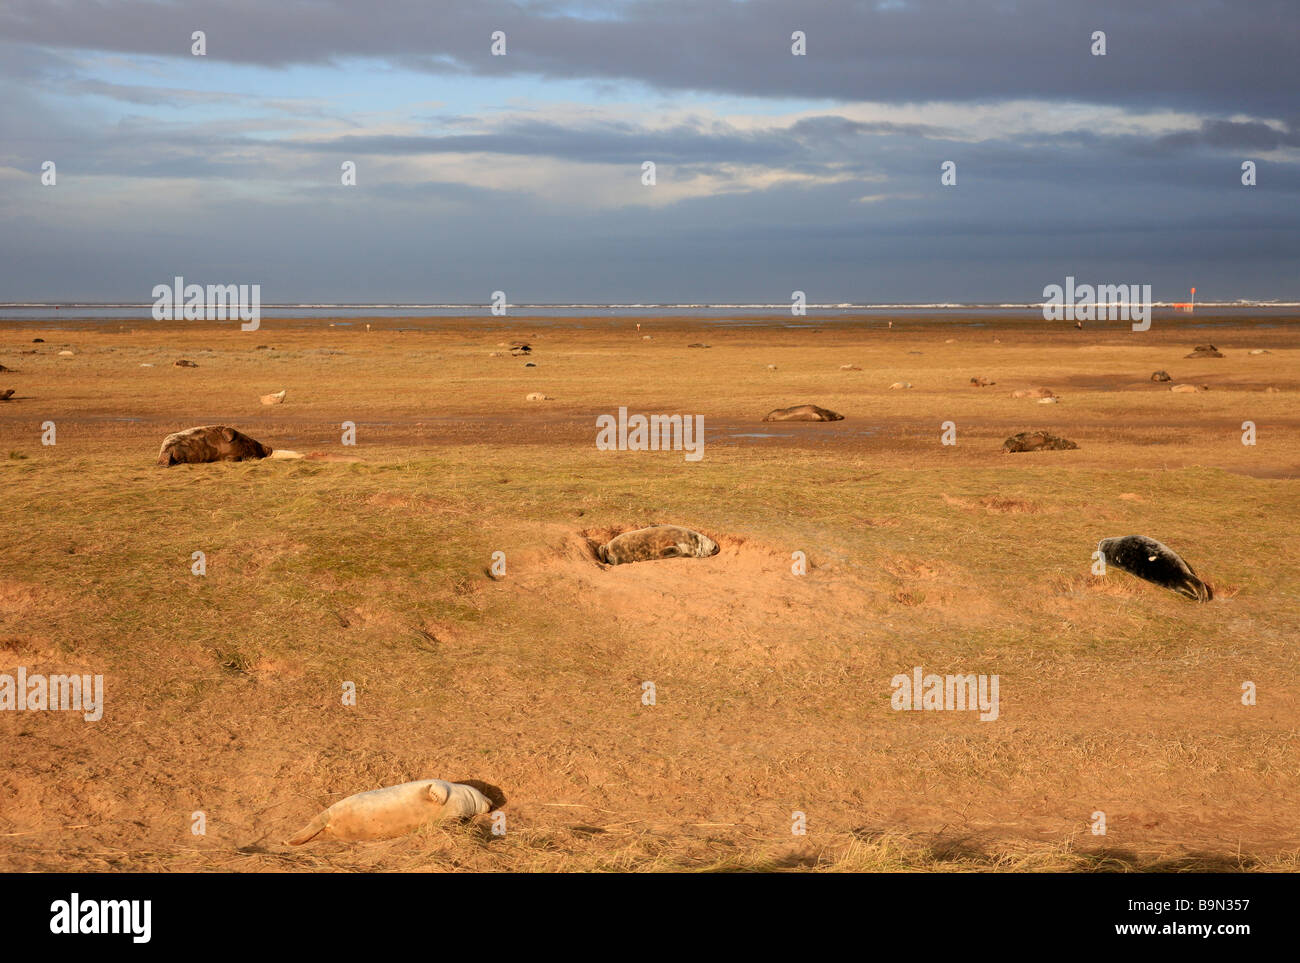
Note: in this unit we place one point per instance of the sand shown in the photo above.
(368, 564)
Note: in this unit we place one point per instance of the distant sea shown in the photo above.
(709, 313)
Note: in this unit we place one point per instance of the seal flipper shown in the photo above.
(309, 832)
(439, 792)
(1194, 589)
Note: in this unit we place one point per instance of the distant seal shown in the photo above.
(394, 811)
(209, 443)
(1150, 560)
(1038, 441)
(803, 413)
(184, 363)
(7, 394)
(1205, 351)
(1160, 376)
(658, 541)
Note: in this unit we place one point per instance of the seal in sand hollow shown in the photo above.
(394, 811)
(214, 443)
(1150, 560)
(1038, 441)
(803, 413)
(658, 541)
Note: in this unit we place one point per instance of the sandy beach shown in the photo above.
(369, 564)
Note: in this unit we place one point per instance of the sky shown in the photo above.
(774, 172)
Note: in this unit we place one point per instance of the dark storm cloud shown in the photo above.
(1209, 55)
(622, 142)
(1031, 206)
(1234, 135)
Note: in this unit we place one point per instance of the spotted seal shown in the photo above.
(658, 541)
(210, 443)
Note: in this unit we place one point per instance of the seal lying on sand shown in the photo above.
(658, 541)
(803, 413)
(394, 811)
(1205, 351)
(213, 443)
(1037, 441)
(1150, 560)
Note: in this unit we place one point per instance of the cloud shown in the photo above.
(524, 172)
(1208, 56)
(1235, 135)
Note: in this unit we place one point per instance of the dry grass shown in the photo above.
(773, 690)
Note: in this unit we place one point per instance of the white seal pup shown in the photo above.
(394, 811)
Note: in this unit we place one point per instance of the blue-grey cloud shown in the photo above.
(1209, 54)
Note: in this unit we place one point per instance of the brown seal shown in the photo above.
(658, 541)
(1205, 351)
(1160, 376)
(209, 443)
(803, 413)
(1037, 441)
